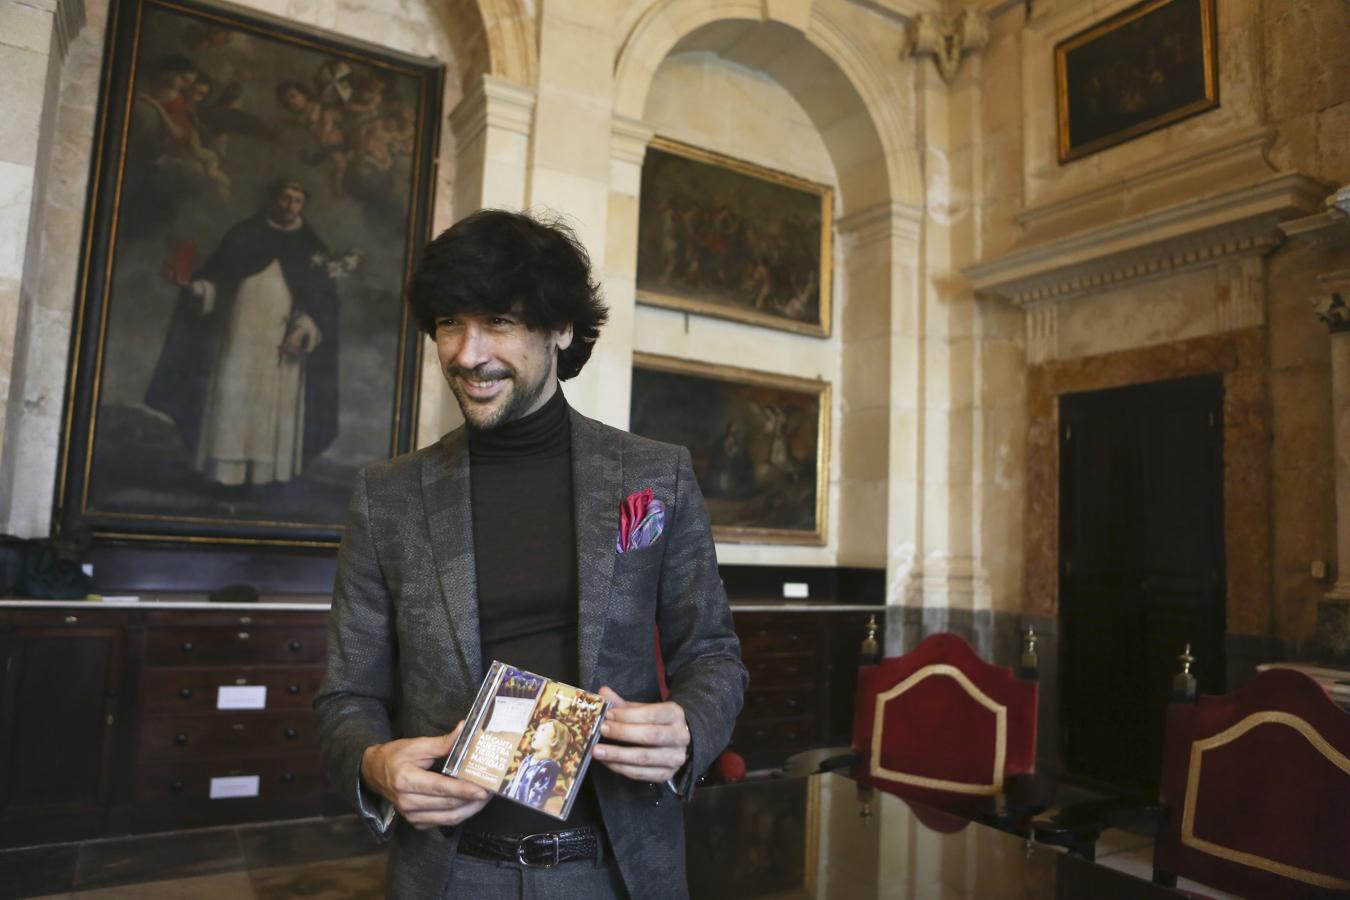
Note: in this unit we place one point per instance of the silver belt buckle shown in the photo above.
(520, 851)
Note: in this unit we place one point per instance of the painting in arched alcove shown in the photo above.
(725, 237)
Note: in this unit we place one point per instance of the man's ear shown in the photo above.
(562, 338)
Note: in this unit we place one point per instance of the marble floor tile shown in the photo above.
(158, 857)
(226, 886)
(1119, 840)
(309, 840)
(32, 871)
(361, 878)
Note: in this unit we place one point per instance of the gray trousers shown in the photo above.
(473, 878)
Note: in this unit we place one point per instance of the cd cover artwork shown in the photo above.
(528, 738)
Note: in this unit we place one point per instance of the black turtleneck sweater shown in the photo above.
(525, 549)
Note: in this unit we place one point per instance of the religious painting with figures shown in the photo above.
(724, 237)
(759, 443)
(242, 344)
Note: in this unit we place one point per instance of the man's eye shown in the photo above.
(501, 321)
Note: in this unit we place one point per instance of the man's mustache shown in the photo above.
(478, 373)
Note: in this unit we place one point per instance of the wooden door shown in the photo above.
(1141, 567)
(58, 722)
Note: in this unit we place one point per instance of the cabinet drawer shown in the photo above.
(775, 704)
(227, 735)
(189, 784)
(194, 690)
(783, 736)
(760, 633)
(782, 671)
(242, 645)
(226, 618)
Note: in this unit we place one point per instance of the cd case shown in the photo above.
(528, 738)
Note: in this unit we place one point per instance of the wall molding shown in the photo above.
(1185, 236)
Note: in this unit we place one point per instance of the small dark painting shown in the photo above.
(1149, 66)
(759, 443)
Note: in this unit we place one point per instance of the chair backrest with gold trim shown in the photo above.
(1257, 784)
(941, 725)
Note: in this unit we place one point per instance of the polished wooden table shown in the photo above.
(825, 836)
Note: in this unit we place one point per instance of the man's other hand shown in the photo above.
(653, 739)
(397, 771)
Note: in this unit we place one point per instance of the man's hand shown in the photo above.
(397, 771)
(654, 739)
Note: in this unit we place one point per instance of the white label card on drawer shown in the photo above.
(249, 696)
(234, 786)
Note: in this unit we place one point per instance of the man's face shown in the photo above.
(287, 206)
(498, 369)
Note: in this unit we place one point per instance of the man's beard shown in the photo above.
(485, 416)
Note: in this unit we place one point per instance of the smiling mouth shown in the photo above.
(482, 386)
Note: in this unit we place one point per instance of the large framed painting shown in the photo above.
(759, 443)
(241, 341)
(1148, 66)
(723, 237)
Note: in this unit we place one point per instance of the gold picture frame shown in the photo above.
(760, 443)
(724, 237)
(1144, 68)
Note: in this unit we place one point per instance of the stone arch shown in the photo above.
(860, 100)
(859, 115)
(493, 37)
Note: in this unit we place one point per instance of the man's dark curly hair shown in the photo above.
(502, 262)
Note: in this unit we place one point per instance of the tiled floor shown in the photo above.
(324, 859)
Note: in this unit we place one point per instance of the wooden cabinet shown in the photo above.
(61, 703)
(198, 760)
(803, 667)
(112, 721)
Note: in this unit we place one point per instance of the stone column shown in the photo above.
(1333, 627)
(34, 37)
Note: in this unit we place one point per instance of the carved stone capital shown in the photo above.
(1331, 309)
(948, 38)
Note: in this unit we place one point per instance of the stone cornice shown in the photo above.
(1184, 236)
(1330, 226)
(494, 102)
(629, 138)
(881, 221)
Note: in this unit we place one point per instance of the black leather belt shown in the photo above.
(534, 851)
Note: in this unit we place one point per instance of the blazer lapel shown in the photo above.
(597, 475)
(445, 495)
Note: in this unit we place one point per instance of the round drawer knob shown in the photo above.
(187, 646)
(287, 778)
(180, 739)
(243, 635)
(175, 786)
(71, 620)
(295, 646)
(293, 689)
(291, 734)
(185, 693)
(245, 620)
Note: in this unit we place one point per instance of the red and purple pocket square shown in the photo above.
(641, 521)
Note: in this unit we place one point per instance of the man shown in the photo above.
(518, 538)
(249, 366)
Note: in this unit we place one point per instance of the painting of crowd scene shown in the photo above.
(264, 191)
(1149, 66)
(727, 238)
(759, 443)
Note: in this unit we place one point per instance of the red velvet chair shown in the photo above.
(941, 726)
(1257, 788)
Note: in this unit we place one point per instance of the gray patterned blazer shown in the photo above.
(403, 648)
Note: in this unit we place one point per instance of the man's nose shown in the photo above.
(472, 348)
